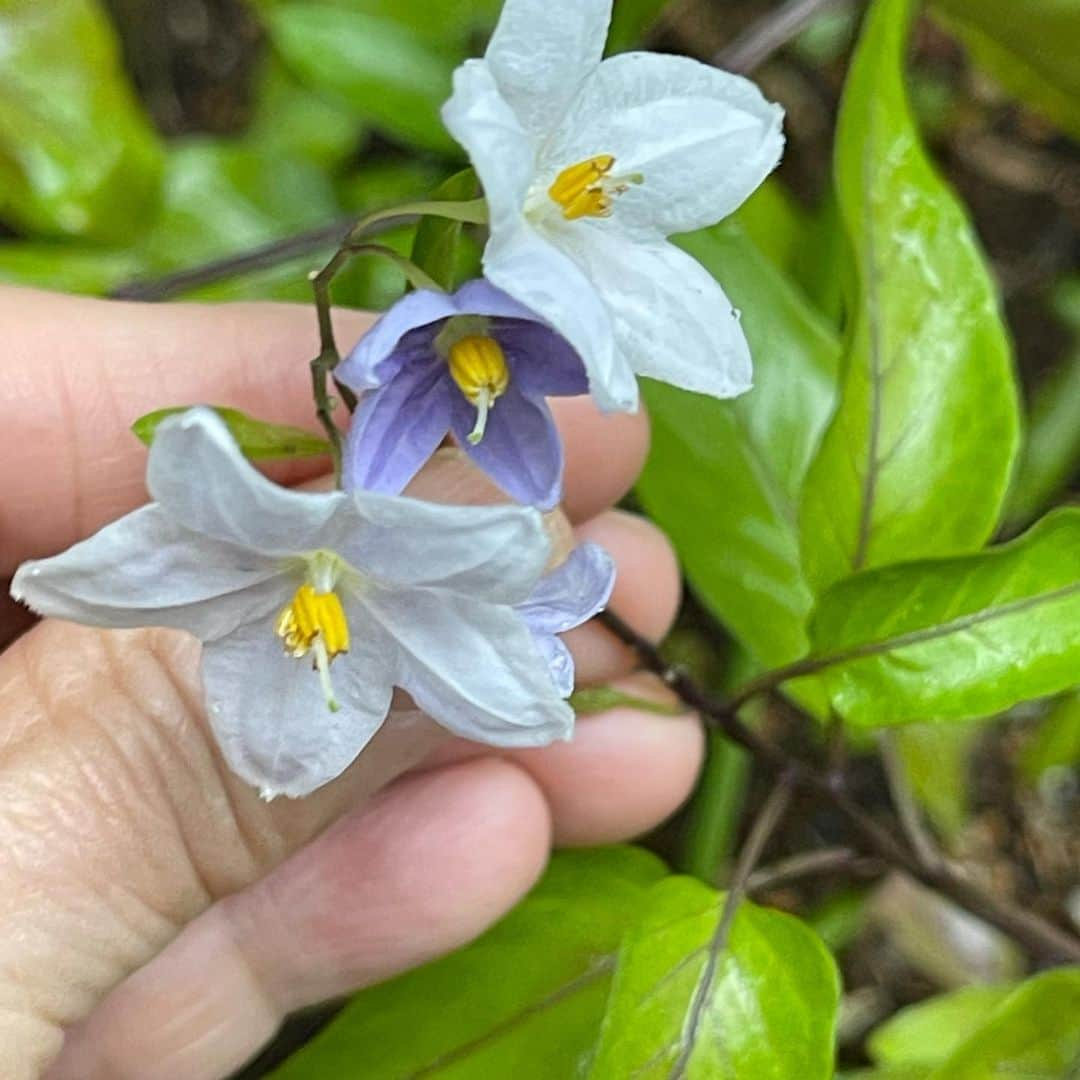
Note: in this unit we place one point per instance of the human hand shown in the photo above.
(153, 907)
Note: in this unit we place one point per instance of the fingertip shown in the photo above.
(647, 593)
(625, 771)
(605, 452)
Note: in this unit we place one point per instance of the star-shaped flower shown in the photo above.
(477, 364)
(588, 166)
(313, 607)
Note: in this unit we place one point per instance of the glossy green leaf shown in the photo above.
(1056, 743)
(67, 267)
(916, 461)
(258, 439)
(524, 1001)
(77, 155)
(1031, 49)
(435, 249)
(1034, 1032)
(724, 477)
(952, 639)
(1051, 456)
(775, 223)
(924, 1035)
(386, 73)
(764, 1006)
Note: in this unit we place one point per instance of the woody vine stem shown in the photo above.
(1042, 938)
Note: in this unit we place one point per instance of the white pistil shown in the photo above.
(322, 665)
(483, 404)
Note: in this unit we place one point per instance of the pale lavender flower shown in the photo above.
(476, 364)
(570, 595)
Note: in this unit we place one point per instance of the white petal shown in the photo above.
(493, 553)
(540, 276)
(541, 51)
(145, 570)
(474, 668)
(199, 476)
(500, 149)
(269, 714)
(701, 139)
(672, 320)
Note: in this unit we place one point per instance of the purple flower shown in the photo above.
(571, 594)
(475, 363)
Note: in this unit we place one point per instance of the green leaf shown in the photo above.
(1056, 744)
(258, 439)
(916, 461)
(597, 699)
(435, 249)
(937, 761)
(1051, 454)
(775, 223)
(953, 639)
(383, 70)
(223, 197)
(67, 267)
(291, 121)
(1034, 1032)
(77, 156)
(723, 478)
(1029, 48)
(766, 1008)
(630, 22)
(924, 1035)
(524, 1001)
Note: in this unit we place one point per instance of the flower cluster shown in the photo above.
(313, 607)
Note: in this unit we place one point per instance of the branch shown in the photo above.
(810, 863)
(770, 34)
(1037, 935)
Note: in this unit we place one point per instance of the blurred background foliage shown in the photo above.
(141, 138)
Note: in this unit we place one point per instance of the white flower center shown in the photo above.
(588, 189)
(314, 620)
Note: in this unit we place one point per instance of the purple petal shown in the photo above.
(559, 660)
(382, 351)
(396, 429)
(521, 450)
(480, 297)
(572, 593)
(544, 364)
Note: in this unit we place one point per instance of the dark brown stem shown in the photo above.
(768, 35)
(839, 860)
(1040, 937)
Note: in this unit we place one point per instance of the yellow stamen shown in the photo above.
(580, 189)
(315, 622)
(478, 366)
(313, 615)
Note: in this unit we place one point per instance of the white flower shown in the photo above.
(313, 607)
(588, 167)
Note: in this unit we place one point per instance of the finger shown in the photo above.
(625, 771)
(647, 593)
(68, 462)
(425, 868)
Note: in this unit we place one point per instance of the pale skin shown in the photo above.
(157, 920)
